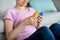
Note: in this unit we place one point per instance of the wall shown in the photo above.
(5, 4)
(57, 4)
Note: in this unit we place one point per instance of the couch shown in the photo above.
(48, 19)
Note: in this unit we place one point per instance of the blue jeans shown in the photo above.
(45, 33)
(55, 28)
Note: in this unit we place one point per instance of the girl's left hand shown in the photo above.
(39, 21)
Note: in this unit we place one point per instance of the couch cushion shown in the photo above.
(51, 17)
(43, 5)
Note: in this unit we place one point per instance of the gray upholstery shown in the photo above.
(57, 2)
(2, 36)
(1, 26)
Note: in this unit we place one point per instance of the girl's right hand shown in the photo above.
(30, 21)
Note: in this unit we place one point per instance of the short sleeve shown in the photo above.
(7, 15)
(33, 9)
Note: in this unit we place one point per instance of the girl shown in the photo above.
(18, 21)
(19, 25)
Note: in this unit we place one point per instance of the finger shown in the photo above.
(38, 24)
(40, 17)
(38, 21)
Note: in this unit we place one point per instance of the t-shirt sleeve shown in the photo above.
(33, 9)
(7, 15)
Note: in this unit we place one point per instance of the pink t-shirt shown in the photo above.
(17, 16)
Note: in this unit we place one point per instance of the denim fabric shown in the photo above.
(43, 33)
(55, 28)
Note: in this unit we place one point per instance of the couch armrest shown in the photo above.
(2, 36)
(1, 26)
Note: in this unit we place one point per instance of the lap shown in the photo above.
(42, 33)
(45, 33)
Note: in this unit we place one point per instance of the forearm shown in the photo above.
(13, 34)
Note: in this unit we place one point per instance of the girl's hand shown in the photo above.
(30, 21)
(39, 21)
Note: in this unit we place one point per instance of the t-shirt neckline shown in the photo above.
(22, 11)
